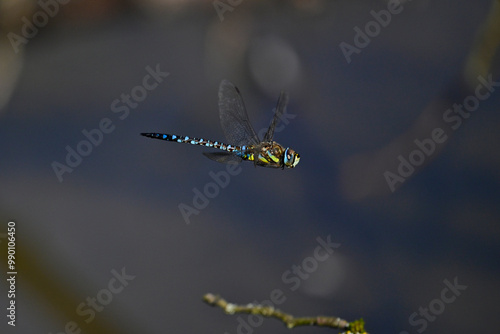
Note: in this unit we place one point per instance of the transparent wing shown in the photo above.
(280, 108)
(234, 117)
(223, 157)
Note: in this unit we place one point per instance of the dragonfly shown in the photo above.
(245, 143)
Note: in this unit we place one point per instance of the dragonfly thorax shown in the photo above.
(271, 154)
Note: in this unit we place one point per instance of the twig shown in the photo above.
(289, 321)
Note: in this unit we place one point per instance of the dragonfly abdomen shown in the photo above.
(195, 141)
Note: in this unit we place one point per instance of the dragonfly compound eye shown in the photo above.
(291, 158)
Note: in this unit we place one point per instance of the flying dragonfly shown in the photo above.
(245, 143)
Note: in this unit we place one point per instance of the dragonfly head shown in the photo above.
(290, 158)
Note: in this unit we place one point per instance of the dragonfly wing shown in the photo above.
(234, 117)
(223, 157)
(280, 108)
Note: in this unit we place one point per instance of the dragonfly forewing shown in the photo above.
(234, 117)
(280, 109)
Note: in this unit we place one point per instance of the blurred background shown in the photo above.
(70, 67)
